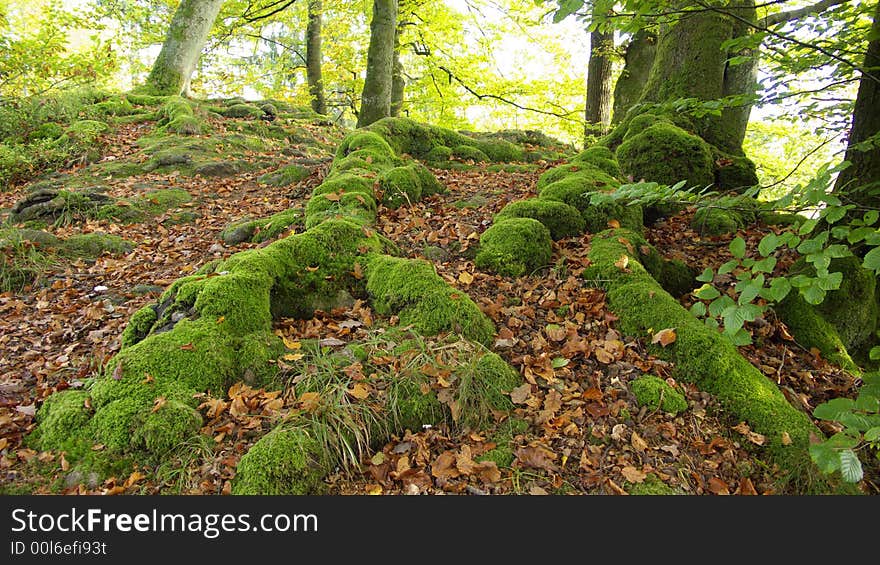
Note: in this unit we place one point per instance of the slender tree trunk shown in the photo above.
(398, 82)
(861, 180)
(638, 60)
(313, 56)
(376, 96)
(183, 45)
(597, 111)
(742, 79)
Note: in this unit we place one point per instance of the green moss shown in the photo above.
(724, 215)
(115, 423)
(243, 111)
(185, 125)
(493, 378)
(414, 291)
(597, 216)
(656, 394)
(144, 99)
(139, 326)
(344, 183)
(469, 153)
(734, 172)
(166, 428)
(515, 247)
(61, 419)
(561, 219)
(675, 277)
(600, 157)
(93, 245)
(810, 329)
(853, 309)
(439, 154)
(353, 207)
(587, 175)
(284, 176)
(652, 486)
(411, 408)
(282, 462)
(429, 183)
(503, 438)
(667, 154)
(399, 186)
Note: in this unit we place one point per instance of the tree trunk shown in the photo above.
(376, 96)
(861, 180)
(638, 60)
(313, 57)
(597, 111)
(398, 82)
(741, 79)
(183, 45)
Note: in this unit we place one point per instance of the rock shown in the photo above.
(218, 169)
(238, 232)
(141, 289)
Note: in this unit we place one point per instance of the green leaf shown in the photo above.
(728, 267)
(749, 293)
(870, 217)
(707, 292)
(765, 265)
(768, 244)
(698, 309)
(874, 354)
(868, 403)
(738, 247)
(706, 276)
(872, 260)
(830, 281)
(559, 362)
(566, 8)
(832, 409)
(850, 466)
(834, 213)
(807, 227)
(779, 289)
(717, 306)
(825, 457)
(813, 294)
(873, 434)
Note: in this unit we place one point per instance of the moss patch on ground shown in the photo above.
(515, 247)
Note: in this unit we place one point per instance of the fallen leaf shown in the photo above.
(521, 393)
(187, 347)
(117, 372)
(717, 486)
(465, 278)
(637, 442)
(613, 224)
(632, 474)
(536, 457)
(622, 262)
(786, 439)
(664, 337)
(359, 391)
(754, 437)
(293, 356)
(309, 401)
(158, 404)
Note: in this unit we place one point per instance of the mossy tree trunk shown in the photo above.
(861, 181)
(597, 110)
(376, 95)
(692, 62)
(313, 56)
(638, 60)
(183, 45)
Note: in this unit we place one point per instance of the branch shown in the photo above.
(277, 6)
(480, 96)
(813, 9)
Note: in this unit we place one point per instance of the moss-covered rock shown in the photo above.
(600, 157)
(561, 219)
(243, 111)
(667, 154)
(657, 394)
(724, 215)
(439, 154)
(60, 419)
(676, 277)
(734, 172)
(284, 176)
(584, 173)
(169, 426)
(399, 186)
(469, 153)
(421, 298)
(265, 229)
(93, 245)
(515, 247)
(412, 406)
(282, 462)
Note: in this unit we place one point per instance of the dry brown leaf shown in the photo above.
(717, 486)
(637, 442)
(622, 262)
(158, 404)
(359, 391)
(632, 474)
(664, 337)
(521, 393)
(465, 278)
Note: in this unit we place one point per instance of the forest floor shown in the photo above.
(587, 433)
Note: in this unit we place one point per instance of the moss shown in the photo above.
(666, 154)
(439, 154)
(597, 216)
(284, 176)
(853, 308)
(429, 183)
(561, 219)
(601, 158)
(344, 183)
(414, 291)
(676, 277)
(61, 419)
(353, 207)
(116, 106)
(780, 218)
(412, 408)
(512, 168)
(584, 173)
(503, 438)
(399, 186)
(734, 172)
(810, 329)
(652, 486)
(115, 423)
(656, 394)
(164, 429)
(515, 247)
(282, 462)
(495, 378)
(139, 326)
(145, 99)
(243, 111)
(93, 245)
(469, 153)
(185, 125)
(49, 130)
(720, 216)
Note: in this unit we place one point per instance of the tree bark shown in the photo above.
(638, 60)
(313, 56)
(376, 95)
(398, 82)
(597, 111)
(861, 180)
(183, 45)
